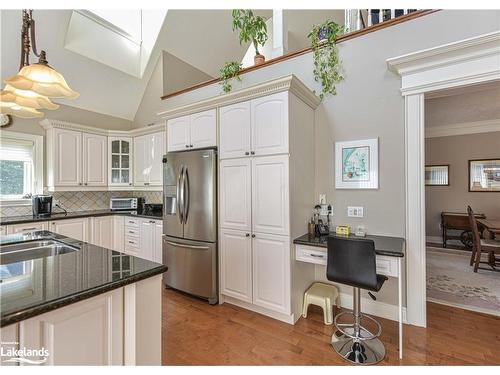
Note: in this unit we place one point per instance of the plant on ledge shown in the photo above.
(227, 72)
(327, 64)
(252, 28)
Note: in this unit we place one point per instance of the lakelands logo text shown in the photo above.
(23, 355)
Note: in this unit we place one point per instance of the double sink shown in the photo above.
(27, 250)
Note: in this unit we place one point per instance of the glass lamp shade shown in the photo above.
(26, 98)
(10, 108)
(43, 80)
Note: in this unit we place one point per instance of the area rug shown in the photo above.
(451, 281)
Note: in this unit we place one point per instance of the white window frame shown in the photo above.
(37, 166)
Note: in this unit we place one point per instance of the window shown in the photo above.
(21, 171)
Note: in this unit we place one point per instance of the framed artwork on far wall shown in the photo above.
(437, 175)
(356, 164)
(484, 175)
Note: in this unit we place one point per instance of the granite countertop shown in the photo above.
(30, 287)
(384, 245)
(77, 214)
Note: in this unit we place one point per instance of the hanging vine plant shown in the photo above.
(229, 71)
(327, 64)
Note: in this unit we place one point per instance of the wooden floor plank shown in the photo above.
(195, 333)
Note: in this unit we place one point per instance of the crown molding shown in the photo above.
(59, 124)
(475, 127)
(288, 83)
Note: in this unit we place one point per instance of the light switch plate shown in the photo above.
(322, 199)
(354, 211)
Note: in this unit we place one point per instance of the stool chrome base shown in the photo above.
(359, 352)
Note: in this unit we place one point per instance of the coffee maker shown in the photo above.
(42, 205)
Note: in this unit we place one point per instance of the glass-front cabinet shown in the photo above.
(120, 161)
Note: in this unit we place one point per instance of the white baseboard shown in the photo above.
(439, 240)
(376, 308)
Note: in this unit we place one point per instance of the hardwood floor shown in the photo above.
(195, 333)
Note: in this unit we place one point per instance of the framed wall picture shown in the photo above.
(356, 164)
(484, 175)
(437, 175)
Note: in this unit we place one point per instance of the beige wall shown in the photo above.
(456, 151)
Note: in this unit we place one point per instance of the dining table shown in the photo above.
(491, 225)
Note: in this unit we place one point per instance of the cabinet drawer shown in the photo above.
(316, 255)
(131, 231)
(132, 242)
(387, 265)
(131, 222)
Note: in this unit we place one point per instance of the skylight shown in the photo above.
(127, 22)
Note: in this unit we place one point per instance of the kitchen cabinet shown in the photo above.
(255, 127)
(27, 227)
(102, 231)
(97, 322)
(65, 157)
(143, 238)
(149, 150)
(73, 228)
(236, 194)
(118, 233)
(120, 161)
(158, 245)
(94, 160)
(198, 130)
(3, 230)
(271, 272)
(236, 264)
(147, 238)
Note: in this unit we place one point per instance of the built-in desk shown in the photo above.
(390, 255)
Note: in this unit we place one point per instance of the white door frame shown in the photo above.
(466, 62)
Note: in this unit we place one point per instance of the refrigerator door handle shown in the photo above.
(180, 194)
(185, 197)
(176, 244)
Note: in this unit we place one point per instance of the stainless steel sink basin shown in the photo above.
(28, 250)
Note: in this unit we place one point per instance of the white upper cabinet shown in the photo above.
(271, 272)
(67, 154)
(148, 153)
(198, 130)
(235, 194)
(269, 116)
(235, 130)
(270, 195)
(203, 129)
(178, 133)
(94, 160)
(120, 160)
(256, 127)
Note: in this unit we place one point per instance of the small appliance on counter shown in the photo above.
(42, 205)
(126, 203)
(153, 209)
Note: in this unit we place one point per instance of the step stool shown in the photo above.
(324, 296)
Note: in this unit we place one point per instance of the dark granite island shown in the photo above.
(77, 303)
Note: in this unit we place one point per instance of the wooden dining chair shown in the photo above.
(481, 245)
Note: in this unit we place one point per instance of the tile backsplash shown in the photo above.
(84, 201)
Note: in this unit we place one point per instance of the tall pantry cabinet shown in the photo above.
(266, 188)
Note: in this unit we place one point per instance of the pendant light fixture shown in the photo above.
(30, 89)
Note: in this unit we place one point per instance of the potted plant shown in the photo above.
(252, 29)
(327, 64)
(229, 71)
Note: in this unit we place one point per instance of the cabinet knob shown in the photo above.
(247, 153)
(187, 146)
(253, 235)
(190, 145)
(247, 235)
(85, 184)
(130, 183)
(79, 183)
(252, 152)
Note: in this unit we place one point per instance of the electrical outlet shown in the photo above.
(322, 199)
(354, 211)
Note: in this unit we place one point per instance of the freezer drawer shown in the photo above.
(192, 267)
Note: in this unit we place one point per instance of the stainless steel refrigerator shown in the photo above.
(190, 222)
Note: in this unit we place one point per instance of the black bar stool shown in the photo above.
(352, 262)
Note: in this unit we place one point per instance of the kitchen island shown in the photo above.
(68, 302)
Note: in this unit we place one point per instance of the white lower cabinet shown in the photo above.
(28, 227)
(143, 238)
(102, 231)
(147, 230)
(236, 264)
(158, 245)
(271, 272)
(73, 228)
(118, 233)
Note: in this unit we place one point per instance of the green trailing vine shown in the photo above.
(327, 64)
(229, 71)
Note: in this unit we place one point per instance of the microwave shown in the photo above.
(125, 203)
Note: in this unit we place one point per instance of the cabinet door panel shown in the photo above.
(235, 194)
(73, 228)
(270, 196)
(120, 161)
(68, 157)
(236, 264)
(157, 249)
(271, 272)
(234, 139)
(102, 231)
(94, 160)
(270, 124)
(203, 132)
(178, 133)
(28, 227)
(141, 164)
(156, 150)
(147, 233)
